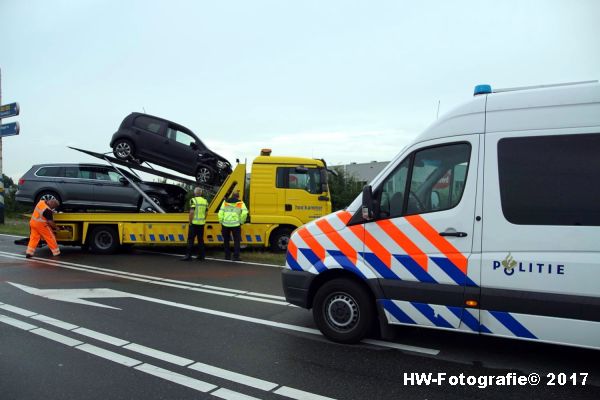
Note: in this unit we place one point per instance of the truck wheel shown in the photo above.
(123, 150)
(103, 239)
(279, 240)
(343, 311)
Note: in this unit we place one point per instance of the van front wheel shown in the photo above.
(343, 311)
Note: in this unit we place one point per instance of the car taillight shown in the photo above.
(21, 182)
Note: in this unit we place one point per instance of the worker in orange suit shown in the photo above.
(41, 225)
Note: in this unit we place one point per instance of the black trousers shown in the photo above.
(193, 232)
(236, 232)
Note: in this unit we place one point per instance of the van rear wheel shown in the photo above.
(103, 239)
(343, 311)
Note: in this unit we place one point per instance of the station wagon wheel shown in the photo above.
(123, 149)
(103, 239)
(204, 175)
(343, 311)
(48, 195)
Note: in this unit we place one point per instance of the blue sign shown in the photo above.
(9, 129)
(9, 110)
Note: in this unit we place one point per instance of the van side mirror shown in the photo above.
(367, 203)
(124, 181)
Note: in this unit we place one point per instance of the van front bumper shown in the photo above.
(296, 285)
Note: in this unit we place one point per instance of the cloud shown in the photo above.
(335, 147)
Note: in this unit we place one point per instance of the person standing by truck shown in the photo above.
(198, 206)
(232, 215)
(41, 225)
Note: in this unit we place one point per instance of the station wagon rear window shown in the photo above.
(49, 171)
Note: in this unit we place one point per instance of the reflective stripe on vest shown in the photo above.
(231, 214)
(200, 204)
(38, 212)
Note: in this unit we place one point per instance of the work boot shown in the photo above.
(199, 258)
(27, 255)
(186, 258)
(227, 257)
(237, 259)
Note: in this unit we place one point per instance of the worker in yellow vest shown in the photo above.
(198, 206)
(232, 215)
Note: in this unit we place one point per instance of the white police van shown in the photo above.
(488, 223)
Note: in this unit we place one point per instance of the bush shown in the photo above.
(344, 188)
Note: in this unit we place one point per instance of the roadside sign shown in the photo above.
(9, 129)
(9, 110)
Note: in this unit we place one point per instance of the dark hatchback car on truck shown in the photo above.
(143, 137)
(95, 187)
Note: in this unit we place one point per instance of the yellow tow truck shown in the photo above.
(282, 193)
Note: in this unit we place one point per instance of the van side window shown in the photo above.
(437, 181)
(392, 194)
(550, 180)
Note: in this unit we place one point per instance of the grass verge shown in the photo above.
(15, 225)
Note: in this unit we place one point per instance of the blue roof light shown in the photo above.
(482, 89)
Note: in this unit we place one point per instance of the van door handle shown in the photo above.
(456, 234)
(288, 207)
(323, 198)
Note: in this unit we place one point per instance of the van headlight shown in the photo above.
(221, 164)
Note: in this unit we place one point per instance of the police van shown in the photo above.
(488, 223)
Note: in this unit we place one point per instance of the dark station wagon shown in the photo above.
(95, 187)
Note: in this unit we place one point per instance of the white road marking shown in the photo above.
(404, 347)
(17, 310)
(101, 337)
(231, 395)
(183, 380)
(392, 345)
(15, 236)
(16, 323)
(234, 376)
(73, 295)
(109, 355)
(211, 259)
(299, 394)
(51, 321)
(172, 376)
(160, 355)
(57, 337)
(152, 279)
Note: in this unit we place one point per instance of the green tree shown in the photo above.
(344, 188)
(10, 205)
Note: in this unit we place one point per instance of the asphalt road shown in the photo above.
(143, 325)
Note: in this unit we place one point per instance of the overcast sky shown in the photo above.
(347, 81)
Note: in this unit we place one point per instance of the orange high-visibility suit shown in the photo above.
(39, 228)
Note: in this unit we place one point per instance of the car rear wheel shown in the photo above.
(123, 150)
(103, 239)
(48, 195)
(205, 175)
